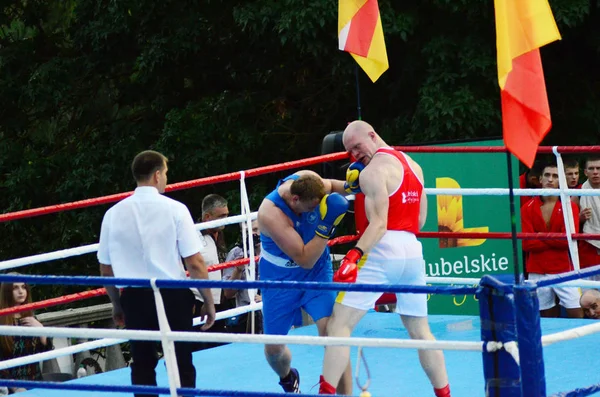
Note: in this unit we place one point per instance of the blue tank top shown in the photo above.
(274, 263)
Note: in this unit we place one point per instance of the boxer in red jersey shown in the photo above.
(388, 252)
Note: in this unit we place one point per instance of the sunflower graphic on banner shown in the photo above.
(451, 219)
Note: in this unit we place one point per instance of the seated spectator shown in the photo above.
(590, 303)
(16, 294)
(242, 298)
(549, 257)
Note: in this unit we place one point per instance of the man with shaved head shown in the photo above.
(388, 251)
(590, 303)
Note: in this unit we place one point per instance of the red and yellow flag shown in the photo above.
(522, 27)
(361, 34)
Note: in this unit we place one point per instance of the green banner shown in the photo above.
(467, 258)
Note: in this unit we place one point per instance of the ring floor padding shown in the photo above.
(394, 372)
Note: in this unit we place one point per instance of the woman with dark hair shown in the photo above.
(11, 295)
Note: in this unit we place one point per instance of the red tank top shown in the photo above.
(401, 215)
(405, 202)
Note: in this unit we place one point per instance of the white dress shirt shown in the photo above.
(146, 235)
(211, 257)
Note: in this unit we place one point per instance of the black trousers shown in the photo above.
(140, 313)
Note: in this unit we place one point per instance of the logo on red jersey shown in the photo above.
(410, 197)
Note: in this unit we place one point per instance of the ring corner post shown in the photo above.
(498, 324)
(529, 333)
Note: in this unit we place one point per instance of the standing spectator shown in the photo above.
(242, 297)
(572, 173)
(590, 303)
(145, 236)
(549, 257)
(530, 179)
(11, 295)
(589, 250)
(213, 207)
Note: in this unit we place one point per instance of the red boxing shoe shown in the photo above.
(325, 387)
(443, 392)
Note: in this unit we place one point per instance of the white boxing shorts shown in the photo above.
(396, 259)
(568, 296)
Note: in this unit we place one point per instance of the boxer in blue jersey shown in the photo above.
(296, 221)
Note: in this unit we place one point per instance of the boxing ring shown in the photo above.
(516, 352)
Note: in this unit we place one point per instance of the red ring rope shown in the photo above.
(277, 167)
(233, 176)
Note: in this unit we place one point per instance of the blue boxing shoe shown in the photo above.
(291, 383)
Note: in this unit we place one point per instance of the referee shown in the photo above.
(145, 236)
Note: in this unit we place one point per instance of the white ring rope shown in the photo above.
(179, 336)
(512, 348)
(565, 203)
(569, 334)
(34, 358)
(505, 192)
(250, 270)
(168, 345)
(49, 256)
(87, 249)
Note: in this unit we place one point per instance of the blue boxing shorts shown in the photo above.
(281, 307)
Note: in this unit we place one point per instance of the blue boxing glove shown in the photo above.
(332, 209)
(352, 173)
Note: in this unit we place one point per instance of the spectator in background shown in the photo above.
(572, 173)
(11, 295)
(590, 303)
(589, 217)
(530, 180)
(549, 257)
(242, 298)
(214, 207)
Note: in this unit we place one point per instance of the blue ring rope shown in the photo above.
(568, 277)
(237, 284)
(137, 389)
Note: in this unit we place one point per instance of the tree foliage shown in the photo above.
(224, 85)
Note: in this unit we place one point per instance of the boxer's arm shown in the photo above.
(423, 210)
(273, 222)
(423, 205)
(374, 187)
(331, 185)
(334, 186)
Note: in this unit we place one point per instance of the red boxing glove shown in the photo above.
(348, 270)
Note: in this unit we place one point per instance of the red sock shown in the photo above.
(325, 387)
(443, 392)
